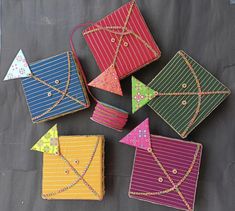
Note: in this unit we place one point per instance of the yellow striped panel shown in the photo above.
(78, 150)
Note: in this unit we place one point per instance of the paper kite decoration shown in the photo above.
(19, 68)
(122, 43)
(108, 81)
(73, 166)
(53, 86)
(183, 94)
(49, 142)
(165, 170)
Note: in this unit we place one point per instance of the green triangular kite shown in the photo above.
(49, 142)
(141, 94)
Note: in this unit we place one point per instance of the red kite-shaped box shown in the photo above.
(121, 44)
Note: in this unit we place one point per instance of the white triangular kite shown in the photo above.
(19, 68)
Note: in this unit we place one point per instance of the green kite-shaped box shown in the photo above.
(183, 94)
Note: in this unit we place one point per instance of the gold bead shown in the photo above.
(113, 40)
(184, 86)
(66, 171)
(174, 171)
(126, 44)
(49, 94)
(184, 102)
(149, 149)
(76, 161)
(57, 81)
(160, 179)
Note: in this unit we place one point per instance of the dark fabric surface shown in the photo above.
(204, 29)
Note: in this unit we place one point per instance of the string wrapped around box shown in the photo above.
(104, 113)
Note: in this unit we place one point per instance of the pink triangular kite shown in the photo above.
(139, 137)
(108, 81)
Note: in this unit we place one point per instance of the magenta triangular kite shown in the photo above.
(139, 137)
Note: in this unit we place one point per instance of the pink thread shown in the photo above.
(113, 121)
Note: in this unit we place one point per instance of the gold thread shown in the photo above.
(191, 93)
(64, 93)
(124, 32)
(175, 187)
(199, 95)
(127, 32)
(80, 176)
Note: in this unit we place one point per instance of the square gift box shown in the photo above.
(54, 88)
(165, 170)
(73, 166)
(122, 40)
(77, 172)
(169, 175)
(183, 93)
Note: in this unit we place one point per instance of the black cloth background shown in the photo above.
(205, 29)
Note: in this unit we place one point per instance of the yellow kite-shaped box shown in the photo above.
(73, 166)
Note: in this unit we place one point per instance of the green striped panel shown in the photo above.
(171, 79)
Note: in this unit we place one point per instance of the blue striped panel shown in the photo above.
(49, 70)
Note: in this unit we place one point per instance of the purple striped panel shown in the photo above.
(173, 154)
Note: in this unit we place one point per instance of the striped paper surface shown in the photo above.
(50, 70)
(78, 151)
(174, 155)
(131, 57)
(171, 79)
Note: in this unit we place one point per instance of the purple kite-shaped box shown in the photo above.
(165, 170)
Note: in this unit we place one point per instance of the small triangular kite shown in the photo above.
(49, 142)
(139, 137)
(108, 81)
(19, 68)
(141, 94)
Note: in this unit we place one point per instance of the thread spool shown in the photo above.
(110, 116)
